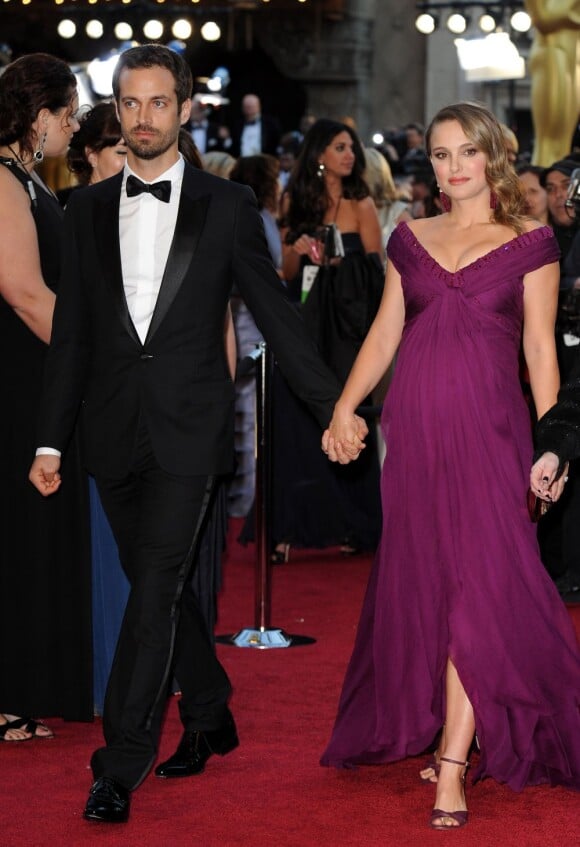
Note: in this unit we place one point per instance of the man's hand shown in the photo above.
(343, 440)
(44, 474)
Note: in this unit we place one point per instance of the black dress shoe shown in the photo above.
(108, 802)
(196, 747)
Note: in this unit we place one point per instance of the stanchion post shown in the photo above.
(262, 617)
(263, 637)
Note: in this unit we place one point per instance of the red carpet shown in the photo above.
(271, 792)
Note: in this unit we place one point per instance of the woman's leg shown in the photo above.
(457, 738)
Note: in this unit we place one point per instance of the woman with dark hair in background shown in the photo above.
(332, 261)
(97, 150)
(45, 632)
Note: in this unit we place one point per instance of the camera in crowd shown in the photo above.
(573, 198)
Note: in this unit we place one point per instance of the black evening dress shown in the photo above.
(314, 502)
(45, 605)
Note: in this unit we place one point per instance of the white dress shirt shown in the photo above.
(199, 135)
(146, 227)
(251, 140)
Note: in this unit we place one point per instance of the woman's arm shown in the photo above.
(292, 253)
(374, 358)
(21, 282)
(540, 304)
(370, 227)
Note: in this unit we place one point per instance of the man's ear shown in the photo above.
(185, 111)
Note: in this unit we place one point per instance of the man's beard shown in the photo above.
(153, 147)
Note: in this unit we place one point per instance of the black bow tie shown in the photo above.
(161, 190)
(253, 122)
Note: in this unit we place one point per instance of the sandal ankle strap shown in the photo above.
(453, 761)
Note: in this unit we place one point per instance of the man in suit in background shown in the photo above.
(258, 133)
(138, 346)
(207, 135)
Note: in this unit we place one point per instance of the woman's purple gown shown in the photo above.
(457, 573)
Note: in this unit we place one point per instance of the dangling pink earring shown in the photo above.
(493, 201)
(445, 201)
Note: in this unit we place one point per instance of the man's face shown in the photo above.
(414, 139)
(148, 111)
(557, 185)
(250, 107)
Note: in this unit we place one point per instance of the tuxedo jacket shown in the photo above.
(177, 382)
(213, 141)
(270, 136)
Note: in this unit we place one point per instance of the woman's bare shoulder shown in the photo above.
(529, 224)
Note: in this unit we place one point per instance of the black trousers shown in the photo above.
(156, 519)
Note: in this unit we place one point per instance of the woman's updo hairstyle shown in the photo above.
(28, 85)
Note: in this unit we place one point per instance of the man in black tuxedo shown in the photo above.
(138, 346)
(257, 133)
(207, 135)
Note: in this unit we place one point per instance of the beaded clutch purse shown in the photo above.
(536, 506)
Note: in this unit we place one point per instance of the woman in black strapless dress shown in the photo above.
(45, 621)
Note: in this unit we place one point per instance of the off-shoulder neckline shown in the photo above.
(524, 237)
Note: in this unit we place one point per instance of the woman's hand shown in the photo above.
(343, 441)
(543, 480)
(307, 246)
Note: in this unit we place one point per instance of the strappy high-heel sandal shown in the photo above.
(460, 817)
(281, 554)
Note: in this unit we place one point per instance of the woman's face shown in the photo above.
(339, 158)
(59, 127)
(107, 162)
(458, 163)
(535, 196)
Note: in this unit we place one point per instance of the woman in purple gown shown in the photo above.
(462, 631)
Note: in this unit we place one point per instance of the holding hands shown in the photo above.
(343, 441)
(544, 479)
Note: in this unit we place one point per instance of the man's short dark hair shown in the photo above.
(156, 56)
(564, 166)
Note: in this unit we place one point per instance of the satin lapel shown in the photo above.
(107, 239)
(188, 228)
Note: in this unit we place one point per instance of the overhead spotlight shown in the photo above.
(426, 23)
(520, 21)
(210, 31)
(94, 29)
(123, 31)
(182, 29)
(457, 23)
(488, 22)
(177, 46)
(378, 137)
(219, 80)
(100, 73)
(153, 29)
(66, 28)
